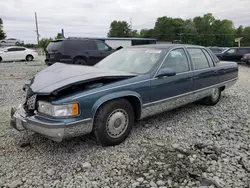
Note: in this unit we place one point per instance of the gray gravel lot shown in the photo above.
(193, 146)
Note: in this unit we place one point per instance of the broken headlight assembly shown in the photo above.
(63, 110)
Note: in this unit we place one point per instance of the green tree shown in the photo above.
(2, 34)
(246, 36)
(147, 33)
(59, 36)
(224, 33)
(204, 26)
(189, 32)
(168, 29)
(239, 31)
(119, 29)
(43, 43)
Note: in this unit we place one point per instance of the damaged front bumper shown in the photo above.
(56, 131)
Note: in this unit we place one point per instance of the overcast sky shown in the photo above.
(92, 18)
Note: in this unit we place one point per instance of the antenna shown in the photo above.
(37, 33)
(131, 24)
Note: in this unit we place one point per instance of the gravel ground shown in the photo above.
(193, 146)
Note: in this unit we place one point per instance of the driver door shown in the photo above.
(168, 87)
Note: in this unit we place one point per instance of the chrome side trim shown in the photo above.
(110, 89)
(173, 102)
(213, 86)
(160, 106)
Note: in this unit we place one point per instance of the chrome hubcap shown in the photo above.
(215, 93)
(117, 123)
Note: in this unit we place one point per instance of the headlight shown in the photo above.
(58, 110)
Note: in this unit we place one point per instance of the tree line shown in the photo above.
(203, 30)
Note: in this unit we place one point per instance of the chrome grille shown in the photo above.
(31, 102)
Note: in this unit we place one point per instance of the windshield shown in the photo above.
(134, 60)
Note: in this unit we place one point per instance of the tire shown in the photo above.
(1, 59)
(3, 42)
(80, 62)
(113, 122)
(29, 58)
(214, 98)
(17, 43)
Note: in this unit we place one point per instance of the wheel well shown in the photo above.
(136, 104)
(80, 57)
(29, 55)
(134, 101)
(223, 88)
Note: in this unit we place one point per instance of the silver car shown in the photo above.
(11, 41)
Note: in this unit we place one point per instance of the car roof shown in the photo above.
(165, 46)
(14, 47)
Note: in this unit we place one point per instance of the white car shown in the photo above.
(16, 53)
(12, 41)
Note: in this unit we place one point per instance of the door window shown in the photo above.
(176, 60)
(231, 51)
(210, 60)
(102, 46)
(198, 58)
(12, 49)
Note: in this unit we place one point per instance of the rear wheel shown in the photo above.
(214, 98)
(113, 122)
(1, 59)
(29, 58)
(17, 43)
(80, 62)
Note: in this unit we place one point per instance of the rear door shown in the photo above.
(20, 53)
(205, 72)
(103, 50)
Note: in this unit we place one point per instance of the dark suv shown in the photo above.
(77, 51)
(234, 54)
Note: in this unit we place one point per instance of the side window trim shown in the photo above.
(201, 49)
(189, 62)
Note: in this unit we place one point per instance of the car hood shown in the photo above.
(60, 75)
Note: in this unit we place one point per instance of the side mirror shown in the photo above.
(166, 72)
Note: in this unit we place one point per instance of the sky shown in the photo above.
(92, 18)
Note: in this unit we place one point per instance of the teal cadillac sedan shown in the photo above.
(72, 100)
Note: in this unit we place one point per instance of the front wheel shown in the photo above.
(214, 98)
(113, 122)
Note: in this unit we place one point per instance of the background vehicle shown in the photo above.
(234, 54)
(128, 85)
(246, 58)
(81, 51)
(126, 42)
(15, 53)
(12, 41)
(218, 50)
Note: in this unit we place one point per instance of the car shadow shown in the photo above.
(73, 145)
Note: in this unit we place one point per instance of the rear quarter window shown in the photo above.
(55, 46)
(80, 45)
